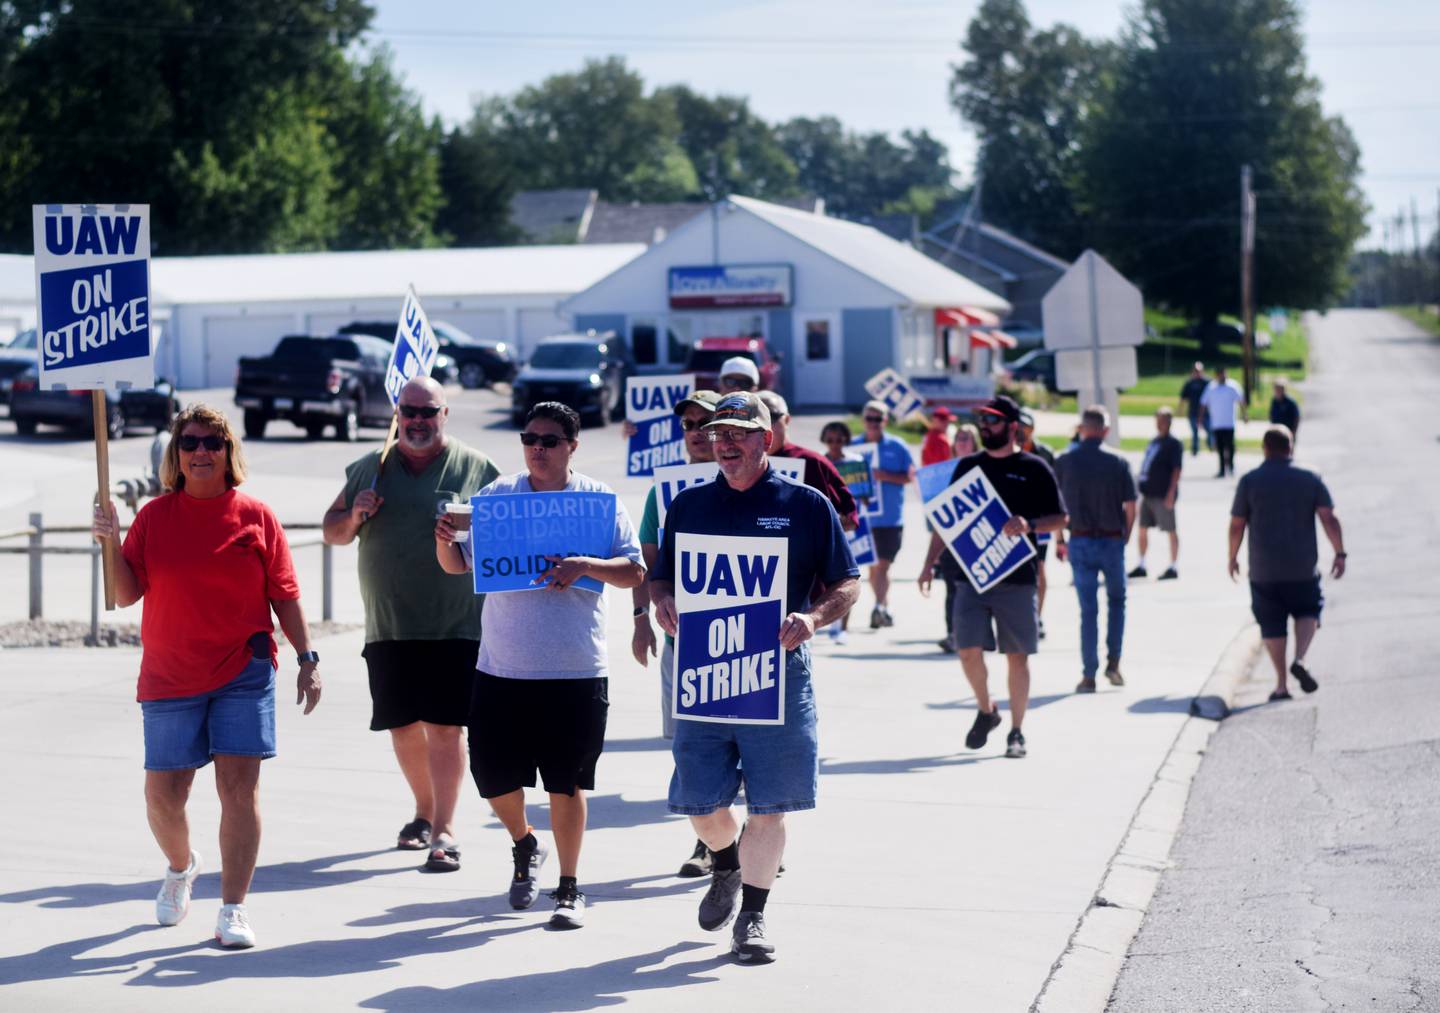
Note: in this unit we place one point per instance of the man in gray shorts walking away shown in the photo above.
(1100, 493)
(1028, 487)
(1279, 503)
(1159, 489)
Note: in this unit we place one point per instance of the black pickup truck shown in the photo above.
(315, 383)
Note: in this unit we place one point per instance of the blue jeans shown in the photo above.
(1089, 558)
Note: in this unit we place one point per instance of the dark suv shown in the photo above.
(585, 371)
(474, 362)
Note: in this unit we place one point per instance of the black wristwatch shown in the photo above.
(641, 612)
(311, 656)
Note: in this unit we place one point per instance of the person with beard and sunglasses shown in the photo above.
(1028, 488)
(540, 695)
(422, 627)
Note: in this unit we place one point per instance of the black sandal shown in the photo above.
(444, 857)
(1279, 695)
(414, 836)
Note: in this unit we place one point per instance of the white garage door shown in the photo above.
(322, 325)
(537, 324)
(487, 324)
(227, 339)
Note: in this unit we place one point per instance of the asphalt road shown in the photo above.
(1307, 872)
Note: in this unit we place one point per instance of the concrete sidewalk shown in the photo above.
(929, 877)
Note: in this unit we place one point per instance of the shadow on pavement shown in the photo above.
(283, 877)
(605, 812)
(907, 765)
(1161, 705)
(968, 704)
(63, 960)
(609, 983)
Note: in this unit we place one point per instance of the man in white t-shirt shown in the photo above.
(1219, 405)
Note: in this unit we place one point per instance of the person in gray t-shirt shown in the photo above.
(541, 692)
(1278, 503)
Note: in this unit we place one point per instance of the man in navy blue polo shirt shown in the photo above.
(780, 762)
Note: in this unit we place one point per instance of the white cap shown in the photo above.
(739, 365)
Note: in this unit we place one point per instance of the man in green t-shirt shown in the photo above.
(422, 625)
(694, 412)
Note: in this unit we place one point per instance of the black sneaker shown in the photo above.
(523, 885)
(1015, 744)
(886, 618)
(700, 863)
(1085, 686)
(748, 941)
(1112, 672)
(1169, 574)
(721, 901)
(985, 723)
(569, 908)
(877, 618)
(1139, 571)
(1303, 677)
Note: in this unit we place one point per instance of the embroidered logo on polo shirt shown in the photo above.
(773, 523)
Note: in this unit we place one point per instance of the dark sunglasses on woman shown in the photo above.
(428, 411)
(690, 425)
(549, 440)
(190, 444)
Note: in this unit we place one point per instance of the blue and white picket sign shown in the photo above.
(416, 348)
(92, 284)
(670, 482)
(512, 533)
(934, 479)
(650, 404)
(791, 469)
(872, 506)
(730, 602)
(897, 393)
(969, 516)
(862, 544)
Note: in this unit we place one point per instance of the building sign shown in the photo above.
(723, 287)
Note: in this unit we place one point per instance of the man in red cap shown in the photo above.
(936, 447)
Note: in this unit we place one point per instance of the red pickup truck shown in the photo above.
(707, 355)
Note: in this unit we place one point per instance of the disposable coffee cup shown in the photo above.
(460, 517)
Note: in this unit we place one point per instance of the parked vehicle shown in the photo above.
(585, 371)
(1035, 366)
(31, 407)
(708, 354)
(316, 383)
(470, 361)
(15, 358)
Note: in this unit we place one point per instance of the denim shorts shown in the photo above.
(781, 763)
(237, 719)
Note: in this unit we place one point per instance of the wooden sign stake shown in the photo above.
(101, 412)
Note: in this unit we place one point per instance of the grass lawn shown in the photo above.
(1428, 318)
(1164, 364)
(912, 432)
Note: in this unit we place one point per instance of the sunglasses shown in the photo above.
(737, 382)
(190, 444)
(549, 440)
(992, 421)
(690, 425)
(411, 411)
(877, 419)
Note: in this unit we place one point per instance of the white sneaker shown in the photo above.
(841, 639)
(173, 901)
(232, 928)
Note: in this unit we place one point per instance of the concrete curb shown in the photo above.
(1085, 974)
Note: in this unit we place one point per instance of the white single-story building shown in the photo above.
(839, 301)
(213, 310)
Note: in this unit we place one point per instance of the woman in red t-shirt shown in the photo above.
(211, 564)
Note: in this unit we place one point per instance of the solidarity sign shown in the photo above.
(890, 387)
(969, 516)
(512, 533)
(855, 473)
(934, 479)
(730, 601)
(92, 276)
(415, 348)
(873, 505)
(650, 404)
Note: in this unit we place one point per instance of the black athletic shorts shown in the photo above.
(887, 542)
(1274, 602)
(419, 680)
(518, 726)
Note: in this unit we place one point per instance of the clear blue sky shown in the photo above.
(888, 68)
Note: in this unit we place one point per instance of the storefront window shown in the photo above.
(643, 341)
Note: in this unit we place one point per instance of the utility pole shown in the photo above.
(1247, 278)
(1420, 271)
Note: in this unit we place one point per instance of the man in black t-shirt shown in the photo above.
(1005, 615)
(1159, 488)
(1191, 393)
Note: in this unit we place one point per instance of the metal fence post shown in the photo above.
(94, 594)
(37, 547)
(327, 575)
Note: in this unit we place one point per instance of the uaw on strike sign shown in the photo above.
(415, 348)
(92, 274)
(968, 517)
(730, 601)
(650, 405)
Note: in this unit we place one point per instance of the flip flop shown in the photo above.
(414, 836)
(1278, 695)
(444, 857)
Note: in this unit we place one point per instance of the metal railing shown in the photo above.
(37, 550)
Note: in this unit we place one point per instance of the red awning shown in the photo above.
(992, 339)
(965, 316)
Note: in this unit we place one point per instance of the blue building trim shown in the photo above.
(781, 338)
(869, 348)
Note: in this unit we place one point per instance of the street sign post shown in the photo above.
(92, 284)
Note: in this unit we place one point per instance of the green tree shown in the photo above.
(866, 174)
(478, 179)
(1029, 95)
(731, 149)
(1203, 87)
